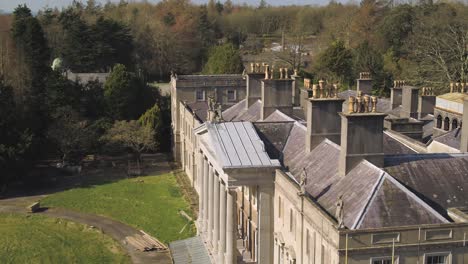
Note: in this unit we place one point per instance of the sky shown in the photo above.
(35, 5)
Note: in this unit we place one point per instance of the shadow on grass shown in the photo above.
(45, 180)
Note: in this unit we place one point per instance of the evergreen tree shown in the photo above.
(335, 63)
(32, 45)
(124, 94)
(224, 59)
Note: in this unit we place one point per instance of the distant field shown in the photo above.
(150, 203)
(39, 239)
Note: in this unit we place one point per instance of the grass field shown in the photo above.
(150, 203)
(39, 239)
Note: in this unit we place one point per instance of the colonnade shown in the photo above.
(217, 213)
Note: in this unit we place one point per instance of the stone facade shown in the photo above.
(273, 190)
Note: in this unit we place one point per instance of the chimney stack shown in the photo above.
(396, 93)
(364, 83)
(410, 102)
(254, 84)
(323, 120)
(426, 102)
(361, 134)
(276, 93)
(464, 128)
(296, 92)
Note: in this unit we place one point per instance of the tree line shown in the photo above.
(43, 113)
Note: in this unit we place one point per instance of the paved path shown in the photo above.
(117, 230)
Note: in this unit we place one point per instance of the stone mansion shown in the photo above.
(291, 171)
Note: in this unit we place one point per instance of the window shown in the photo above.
(307, 242)
(437, 258)
(439, 121)
(446, 124)
(231, 95)
(384, 260)
(454, 124)
(200, 95)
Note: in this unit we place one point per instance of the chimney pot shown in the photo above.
(351, 102)
(314, 91)
(335, 87)
(366, 103)
(307, 83)
(374, 104)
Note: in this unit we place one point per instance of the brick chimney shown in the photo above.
(323, 120)
(409, 102)
(426, 102)
(361, 134)
(464, 128)
(254, 84)
(396, 93)
(276, 93)
(364, 83)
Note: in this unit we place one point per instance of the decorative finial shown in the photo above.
(339, 213)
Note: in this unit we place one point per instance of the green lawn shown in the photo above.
(150, 203)
(39, 239)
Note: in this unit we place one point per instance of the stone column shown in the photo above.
(222, 223)
(205, 196)
(265, 223)
(200, 192)
(216, 214)
(231, 226)
(210, 205)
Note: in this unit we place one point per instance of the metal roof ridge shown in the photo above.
(370, 200)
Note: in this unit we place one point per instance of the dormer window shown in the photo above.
(200, 95)
(231, 95)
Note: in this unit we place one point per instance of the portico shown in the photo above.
(232, 156)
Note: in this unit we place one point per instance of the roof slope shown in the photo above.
(440, 180)
(451, 138)
(237, 144)
(385, 209)
(238, 112)
(323, 182)
(274, 135)
(200, 109)
(190, 250)
(365, 200)
(392, 146)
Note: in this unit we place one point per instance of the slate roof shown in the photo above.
(441, 180)
(237, 145)
(238, 112)
(451, 138)
(392, 146)
(84, 78)
(274, 135)
(209, 77)
(358, 187)
(395, 205)
(200, 109)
